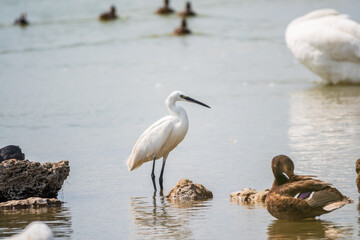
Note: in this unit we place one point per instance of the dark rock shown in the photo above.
(11, 152)
(187, 190)
(20, 179)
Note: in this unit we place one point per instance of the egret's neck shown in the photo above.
(176, 110)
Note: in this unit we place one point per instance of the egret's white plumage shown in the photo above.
(162, 136)
(34, 231)
(328, 44)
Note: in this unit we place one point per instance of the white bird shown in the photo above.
(162, 136)
(34, 231)
(328, 44)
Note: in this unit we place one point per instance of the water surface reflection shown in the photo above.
(58, 219)
(324, 125)
(307, 229)
(159, 218)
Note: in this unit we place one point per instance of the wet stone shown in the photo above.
(249, 195)
(185, 189)
(32, 202)
(21, 179)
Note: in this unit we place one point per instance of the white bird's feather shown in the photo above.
(328, 43)
(34, 231)
(151, 142)
(164, 135)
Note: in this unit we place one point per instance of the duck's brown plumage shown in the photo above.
(165, 10)
(108, 16)
(188, 12)
(358, 174)
(182, 29)
(298, 197)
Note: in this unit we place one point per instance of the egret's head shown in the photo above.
(180, 96)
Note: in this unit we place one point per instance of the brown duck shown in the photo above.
(22, 21)
(294, 197)
(182, 29)
(165, 10)
(108, 16)
(188, 12)
(358, 174)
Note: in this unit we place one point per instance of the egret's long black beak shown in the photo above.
(196, 101)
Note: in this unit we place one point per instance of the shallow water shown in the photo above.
(75, 89)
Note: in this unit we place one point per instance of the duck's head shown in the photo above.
(282, 167)
(188, 6)
(112, 9)
(183, 23)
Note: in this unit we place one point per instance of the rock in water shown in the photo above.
(32, 202)
(185, 189)
(20, 179)
(248, 195)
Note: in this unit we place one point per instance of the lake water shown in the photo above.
(73, 88)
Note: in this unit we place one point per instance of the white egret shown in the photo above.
(328, 44)
(34, 231)
(162, 136)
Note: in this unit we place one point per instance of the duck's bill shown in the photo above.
(196, 101)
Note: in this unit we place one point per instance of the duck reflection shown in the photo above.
(325, 117)
(165, 219)
(57, 218)
(307, 229)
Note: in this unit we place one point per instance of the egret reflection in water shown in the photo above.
(307, 229)
(57, 218)
(157, 217)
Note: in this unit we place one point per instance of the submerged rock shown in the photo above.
(20, 179)
(249, 195)
(185, 189)
(32, 202)
(358, 174)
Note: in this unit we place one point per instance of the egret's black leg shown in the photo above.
(162, 172)
(153, 174)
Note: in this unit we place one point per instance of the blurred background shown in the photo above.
(74, 88)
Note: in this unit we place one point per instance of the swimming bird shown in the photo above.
(108, 16)
(34, 231)
(22, 21)
(163, 136)
(11, 152)
(294, 197)
(182, 30)
(188, 11)
(165, 10)
(328, 44)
